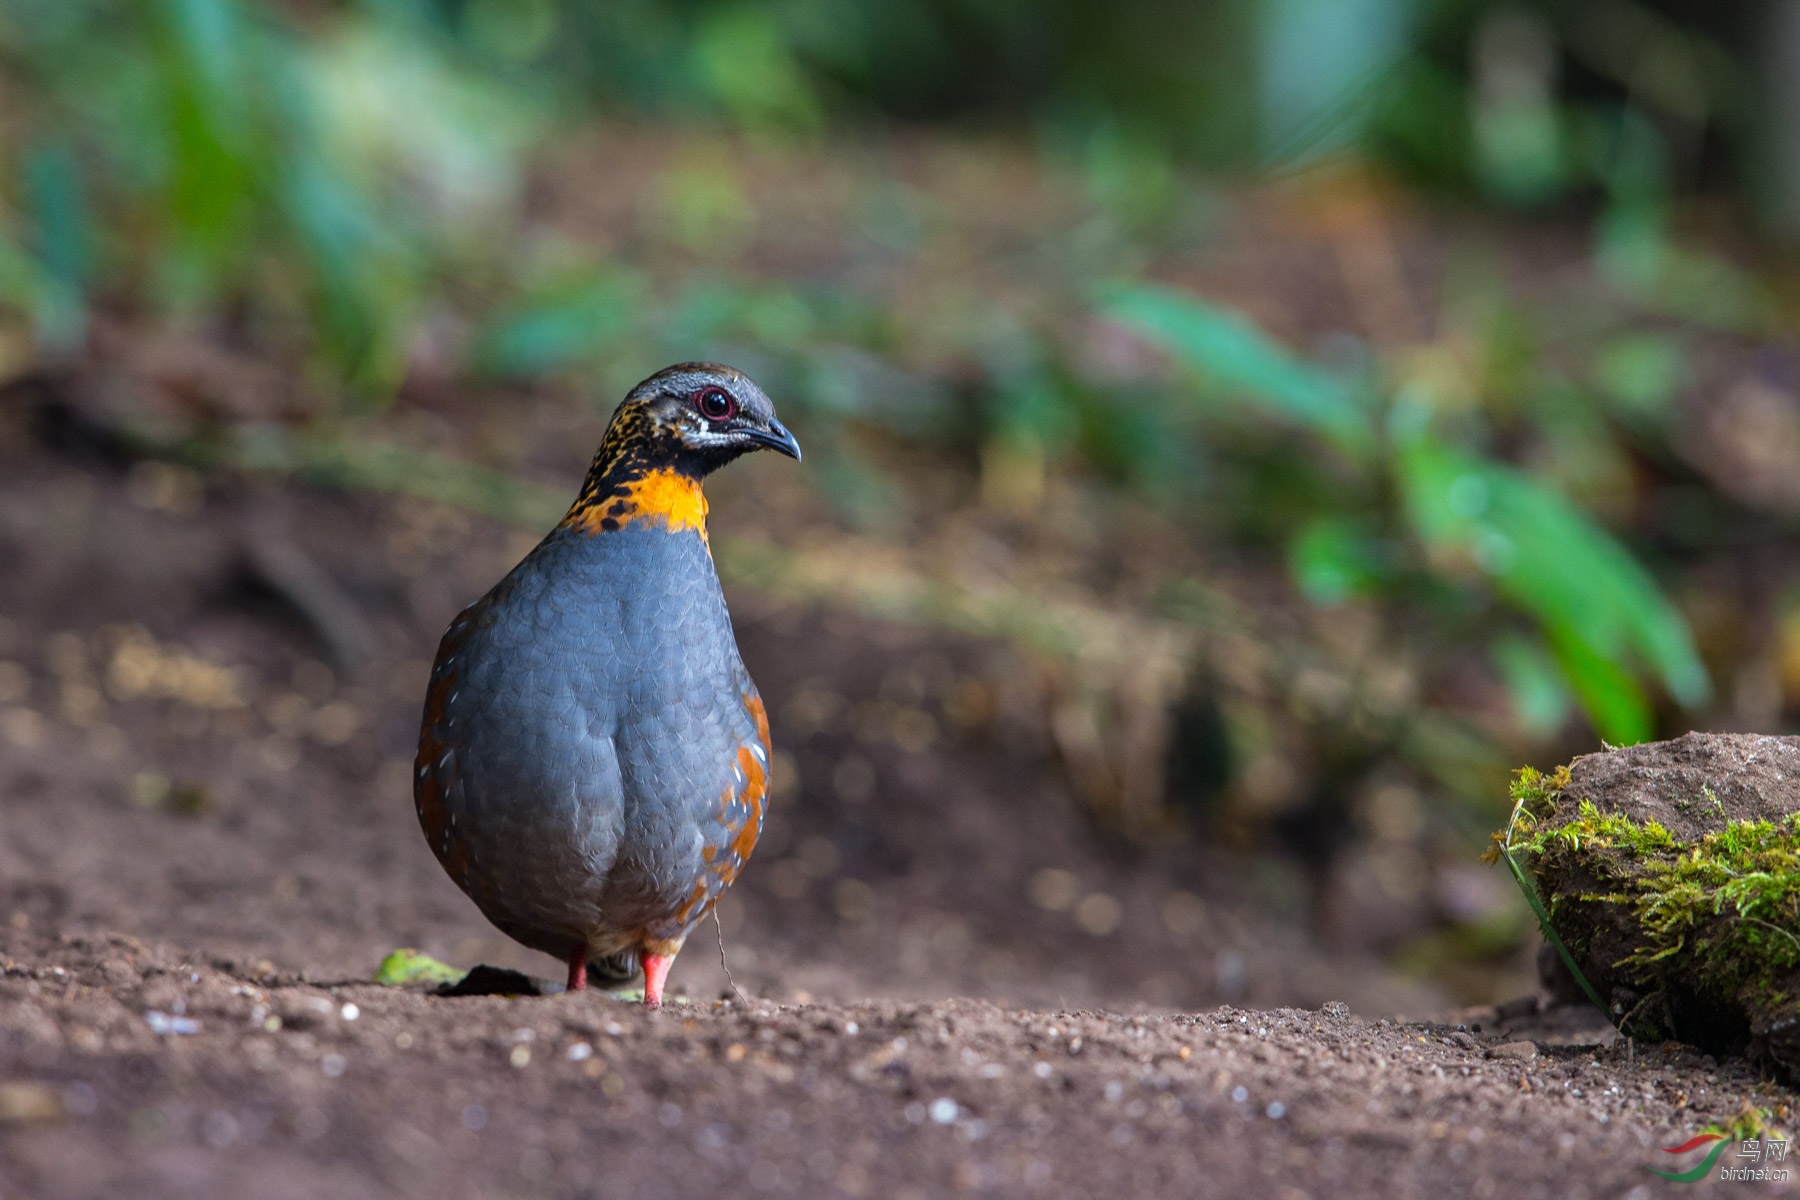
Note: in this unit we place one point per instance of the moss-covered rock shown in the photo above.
(1672, 872)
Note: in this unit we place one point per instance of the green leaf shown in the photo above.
(405, 965)
(1334, 559)
(1539, 687)
(1233, 354)
(210, 39)
(213, 159)
(1599, 607)
(1609, 695)
(59, 213)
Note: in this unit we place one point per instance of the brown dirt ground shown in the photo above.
(370, 1091)
(224, 847)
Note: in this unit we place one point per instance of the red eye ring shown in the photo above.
(715, 404)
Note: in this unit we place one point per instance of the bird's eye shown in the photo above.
(715, 404)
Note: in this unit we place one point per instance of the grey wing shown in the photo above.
(520, 781)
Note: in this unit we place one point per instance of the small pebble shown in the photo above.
(349, 1012)
(333, 1065)
(163, 1023)
(943, 1110)
(580, 1052)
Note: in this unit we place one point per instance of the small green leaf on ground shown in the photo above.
(406, 965)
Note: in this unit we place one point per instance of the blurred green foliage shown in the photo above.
(322, 181)
(1465, 518)
(194, 156)
(324, 165)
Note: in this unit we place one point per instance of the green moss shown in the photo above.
(1751, 1121)
(1719, 914)
(1602, 831)
(1535, 793)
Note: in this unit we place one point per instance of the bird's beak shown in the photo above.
(776, 437)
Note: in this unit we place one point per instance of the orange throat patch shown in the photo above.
(660, 497)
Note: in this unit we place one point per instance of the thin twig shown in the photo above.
(1637, 1008)
(719, 928)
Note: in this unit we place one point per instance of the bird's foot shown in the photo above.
(656, 970)
(578, 970)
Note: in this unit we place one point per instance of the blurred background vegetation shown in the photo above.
(1338, 401)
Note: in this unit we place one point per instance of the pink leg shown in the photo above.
(656, 969)
(578, 969)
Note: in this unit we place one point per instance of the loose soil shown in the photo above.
(306, 1089)
(206, 845)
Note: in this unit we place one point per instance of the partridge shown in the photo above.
(594, 760)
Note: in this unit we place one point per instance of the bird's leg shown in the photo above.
(656, 969)
(578, 969)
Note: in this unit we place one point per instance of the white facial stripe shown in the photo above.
(698, 438)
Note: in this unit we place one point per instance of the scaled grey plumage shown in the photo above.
(593, 763)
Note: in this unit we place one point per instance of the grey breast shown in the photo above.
(597, 724)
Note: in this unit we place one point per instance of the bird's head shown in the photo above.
(696, 417)
(671, 431)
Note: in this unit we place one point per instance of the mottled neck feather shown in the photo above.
(636, 478)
